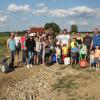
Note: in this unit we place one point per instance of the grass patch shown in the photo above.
(65, 83)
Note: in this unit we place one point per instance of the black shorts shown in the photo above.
(17, 50)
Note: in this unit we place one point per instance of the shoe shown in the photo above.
(31, 65)
(28, 66)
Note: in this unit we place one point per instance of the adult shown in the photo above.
(18, 46)
(44, 44)
(30, 46)
(95, 39)
(11, 44)
(59, 37)
(23, 48)
(65, 38)
(79, 39)
(87, 40)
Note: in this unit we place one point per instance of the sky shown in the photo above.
(18, 15)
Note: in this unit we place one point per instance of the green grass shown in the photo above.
(3, 47)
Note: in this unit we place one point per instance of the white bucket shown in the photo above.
(67, 61)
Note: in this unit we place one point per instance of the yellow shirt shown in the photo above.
(64, 50)
(72, 44)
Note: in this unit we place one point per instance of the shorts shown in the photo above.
(83, 56)
(96, 60)
(17, 50)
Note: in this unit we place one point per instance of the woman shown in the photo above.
(79, 39)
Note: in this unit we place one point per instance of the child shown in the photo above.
(83, 51)
(64, 51)
(38, 51)
(97, 56)
(74, 54)
(92, 62)
(58, 51)
(73, 42)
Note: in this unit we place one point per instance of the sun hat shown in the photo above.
(32, 34)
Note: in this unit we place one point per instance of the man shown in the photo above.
(30, 46)
(96, 39)
(11, 44)
(65, 38)
(87, 40)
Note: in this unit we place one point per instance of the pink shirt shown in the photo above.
(22, 40)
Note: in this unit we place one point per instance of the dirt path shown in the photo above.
(50, 83)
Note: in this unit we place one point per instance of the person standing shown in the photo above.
(18, 46)
(24, 50)
(95, 39)
(65, 38)
(11, 44)
(87, 40)
(30, 46)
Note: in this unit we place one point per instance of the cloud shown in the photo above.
(42, 9)
(40, 5)
(81, 23)
(58, 13)
(21, 8)
(3, 18)
(79, 11)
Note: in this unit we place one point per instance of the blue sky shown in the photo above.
(23, 14)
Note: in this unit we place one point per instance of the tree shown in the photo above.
(74, 28)
(55, 27)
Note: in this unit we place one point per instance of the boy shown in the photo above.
(97, 56)
(92, 59)
(74, 54)
(83, 52)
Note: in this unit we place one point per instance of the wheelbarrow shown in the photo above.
(5, 64)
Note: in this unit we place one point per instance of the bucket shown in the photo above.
(67, 61)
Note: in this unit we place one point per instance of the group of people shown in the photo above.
(47, 48)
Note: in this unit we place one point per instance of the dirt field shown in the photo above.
(57, 82)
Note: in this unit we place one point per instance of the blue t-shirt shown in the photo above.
(12, 45)
(75, 49)
(96, 40)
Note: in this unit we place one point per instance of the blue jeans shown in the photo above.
(30, 57)
(12, 55)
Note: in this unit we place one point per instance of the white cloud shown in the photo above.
(40, 5)
(21, 8)
(81, 23)
(3, 18)
(80, 11)
(58, 12)
(41, 11)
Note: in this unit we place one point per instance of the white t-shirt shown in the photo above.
(17, 40)
(38, 46)
(58, 51)
(59, 38)
(65, 39)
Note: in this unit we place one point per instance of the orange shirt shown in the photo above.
(97, 53)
